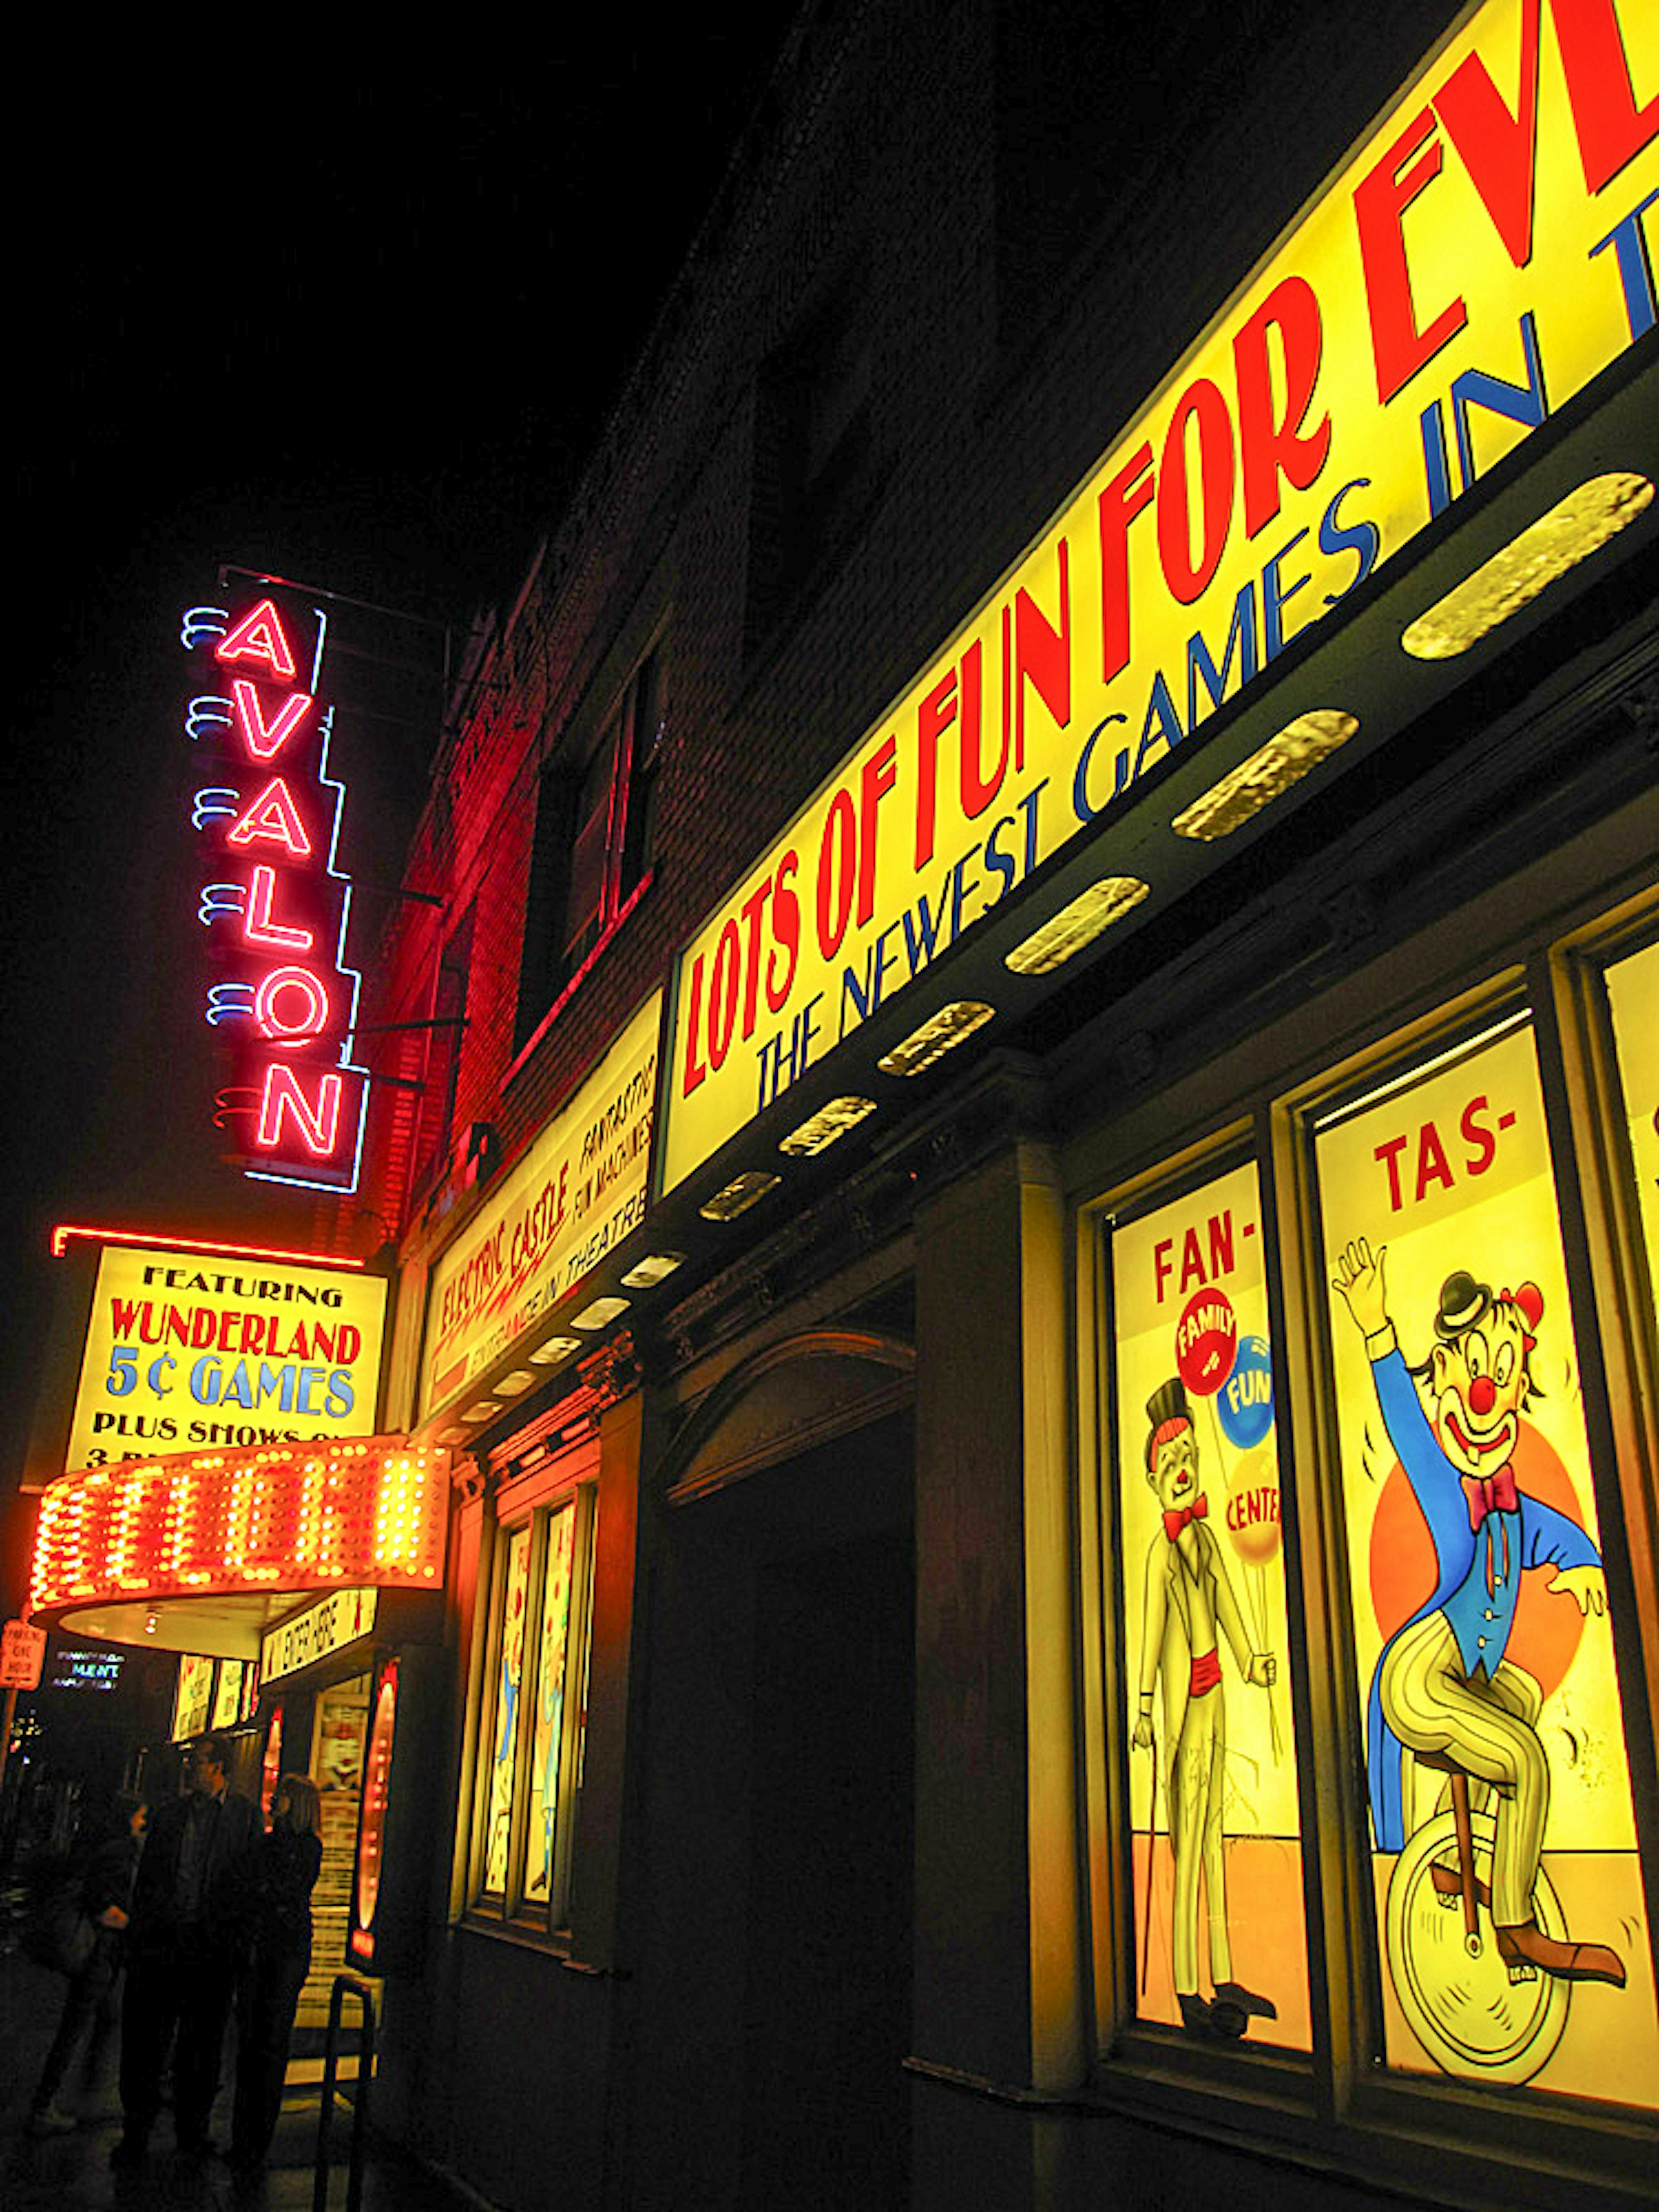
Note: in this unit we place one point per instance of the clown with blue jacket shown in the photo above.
(1444, 1687)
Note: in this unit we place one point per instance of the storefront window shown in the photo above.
(228, 1694)
(505, 1738)
(1508, 1903)
(1633, 996)
(547, 1745)
(194, 1700)
(1217, 1862)
(534, 1754)
(339, 1727)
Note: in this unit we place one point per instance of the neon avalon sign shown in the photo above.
(272, 898)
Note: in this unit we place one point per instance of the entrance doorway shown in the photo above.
(827, 2000)
(774, 1990)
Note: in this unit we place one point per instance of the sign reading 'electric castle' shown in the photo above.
(272, 899)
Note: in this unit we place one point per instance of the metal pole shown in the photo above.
(345, 1985)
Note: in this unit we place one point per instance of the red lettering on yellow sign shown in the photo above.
(1418, 1163)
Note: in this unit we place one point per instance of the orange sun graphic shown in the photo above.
(1544, 1638)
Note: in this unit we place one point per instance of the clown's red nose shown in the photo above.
(1482, 1391)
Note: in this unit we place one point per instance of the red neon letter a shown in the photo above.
(260, 636)
(273, 819)
(316, 1124)
(264, 739)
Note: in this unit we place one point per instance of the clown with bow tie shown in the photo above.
(1188, 1600)
(1442, 1685)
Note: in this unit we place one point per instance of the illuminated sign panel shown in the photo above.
(77, 1668)
(334, 1621)
(1633, 1001)
(192, 1697)
(578, 1191)
(1472, 1531)
(287, 1516)
(372, 1815)
(1202, 1563)
(190, 1349)
(1481, 259)
(270, 894)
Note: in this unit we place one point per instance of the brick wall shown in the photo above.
(878, 150)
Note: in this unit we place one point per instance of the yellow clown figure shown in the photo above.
(1189, 1602)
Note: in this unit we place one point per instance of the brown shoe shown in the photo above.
(1527, 1945)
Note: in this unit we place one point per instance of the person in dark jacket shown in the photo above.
(92, 1998)
(191, 1908)
(279, 1960)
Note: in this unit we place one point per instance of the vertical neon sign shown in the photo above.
(273, 899)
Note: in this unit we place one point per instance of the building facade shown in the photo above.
(1022, 1153)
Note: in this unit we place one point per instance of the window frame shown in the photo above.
(506, 1910)
(1265, 1110)
(810, 491)
(635, 725)
(1109, 1594)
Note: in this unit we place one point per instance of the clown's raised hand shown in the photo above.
(1359, 1278)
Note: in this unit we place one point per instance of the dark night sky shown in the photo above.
(356, 316)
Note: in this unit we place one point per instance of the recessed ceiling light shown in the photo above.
(1574, 528)
(455, 1436)
(510, 1385)
(482, 1411)
(653, 1269)
(553, 1348)
(826, 1127)
(952, 1025)
(1271, 770)
(739, 1196)
(602, 1311)
(1066, 934)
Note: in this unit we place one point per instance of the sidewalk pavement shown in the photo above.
(72, 2172)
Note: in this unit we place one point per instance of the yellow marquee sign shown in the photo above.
(578, 1191)
(1481, 259)
(187, 1349)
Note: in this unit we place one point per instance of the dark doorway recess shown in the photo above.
(828, 1996)
(773, 1992)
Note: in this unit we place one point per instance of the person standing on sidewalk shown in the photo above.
(92, 1998)
(191, 1911)
(279, 1958)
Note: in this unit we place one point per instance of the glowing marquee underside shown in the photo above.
(278, 1517)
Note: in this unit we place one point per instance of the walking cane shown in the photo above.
(1151, 1846)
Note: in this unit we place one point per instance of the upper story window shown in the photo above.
(815, 447)
(1086, 119)
(593, 842)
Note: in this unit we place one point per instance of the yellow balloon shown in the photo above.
(1252, 1515)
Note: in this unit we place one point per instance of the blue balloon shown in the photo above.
(1246, 1399)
